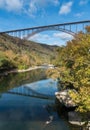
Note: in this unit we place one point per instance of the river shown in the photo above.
(27, 102)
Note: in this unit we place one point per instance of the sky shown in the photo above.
(17, 14)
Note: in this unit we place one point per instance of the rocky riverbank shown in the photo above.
(20, 71)
(66, 106)
(65, 99)
(25, 70)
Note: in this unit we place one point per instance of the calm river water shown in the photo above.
(24, 104)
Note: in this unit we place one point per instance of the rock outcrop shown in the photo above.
(65, 99)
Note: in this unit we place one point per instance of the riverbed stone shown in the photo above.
(75, 118)
(65, 99)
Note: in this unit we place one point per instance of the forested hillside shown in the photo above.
(21, 54)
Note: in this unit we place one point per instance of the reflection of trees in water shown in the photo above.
(17, 79)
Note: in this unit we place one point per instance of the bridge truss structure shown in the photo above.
(71, 28)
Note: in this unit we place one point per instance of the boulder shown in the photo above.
(65, 99)
(74, 118)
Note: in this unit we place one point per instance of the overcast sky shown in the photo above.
(15, 14)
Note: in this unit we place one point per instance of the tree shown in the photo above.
(73, 63)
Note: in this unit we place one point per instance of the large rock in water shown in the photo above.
(75, 118)
(65, 99)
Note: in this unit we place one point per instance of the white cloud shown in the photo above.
(40, 37)
(11, 5)
(39, 5)
(14, 5)
(83, 2)
(1, 3)
(45, 38)
(30, 7)
(63, 36)
(56, 2)
(66, 8)
(79, 14)
(57, 38)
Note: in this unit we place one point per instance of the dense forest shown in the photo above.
(16, 53)
(73, 69)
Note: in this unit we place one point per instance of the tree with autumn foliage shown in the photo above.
(73, 69)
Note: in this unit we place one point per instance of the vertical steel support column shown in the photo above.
(23, 34)
(8, 33)
(27, 34)
(15, 34)
(58, 27)
(19, 34)
(83, 27)
(12, 34)
(76, 28)
(64, 27)
(70, 27)
(32, 30)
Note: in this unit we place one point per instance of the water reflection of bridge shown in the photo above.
(29, 92)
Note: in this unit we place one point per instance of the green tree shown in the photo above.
(73, 63)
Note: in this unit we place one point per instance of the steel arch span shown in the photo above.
(71, 28)
(49, 29)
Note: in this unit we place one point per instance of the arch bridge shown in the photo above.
(71, 28)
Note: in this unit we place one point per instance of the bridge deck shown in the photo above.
(62, 24)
